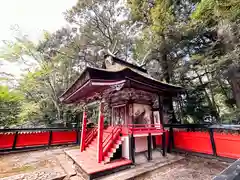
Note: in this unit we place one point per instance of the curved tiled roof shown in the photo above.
(107, 75)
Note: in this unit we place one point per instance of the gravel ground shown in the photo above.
(32, 161)
(45, 164)
(187, 169)
(44, 174)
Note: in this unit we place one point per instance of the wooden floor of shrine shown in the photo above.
(90, 166)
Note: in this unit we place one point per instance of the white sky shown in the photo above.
(32, 17)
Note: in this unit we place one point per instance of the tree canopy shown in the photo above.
(192, 43)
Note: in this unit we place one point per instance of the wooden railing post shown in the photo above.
(154, 142)
(84, 131)
(149, 142)
(100, 134)
(50, 138)
(77, 136)
(15, 140)
(170, 140)
(132, 148)
(164, 143)
(210, 130)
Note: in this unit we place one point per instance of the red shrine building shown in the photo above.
(130, 117)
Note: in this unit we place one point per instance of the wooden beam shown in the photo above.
(160, 104)
(164, 144)
(100, 134)
(15, 140)
(50, 138)
(94, 103)
(149, 142)
(212, 141)
(132, 148)
(154, 142)
(153, 137)
(170, 140)
(84, 131)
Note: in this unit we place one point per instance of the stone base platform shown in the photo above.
(91, 169)
(143, 166)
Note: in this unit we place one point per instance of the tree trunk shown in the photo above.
(235, 82)
(220, 83)
(214, 105)
(213, 108)
(167, 78)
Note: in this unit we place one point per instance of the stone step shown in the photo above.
(76, 178)
(67, 165)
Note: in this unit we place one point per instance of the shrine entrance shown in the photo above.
(119, 115)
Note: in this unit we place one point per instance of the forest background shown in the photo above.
(191, 43)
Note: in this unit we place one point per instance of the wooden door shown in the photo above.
(119, 115)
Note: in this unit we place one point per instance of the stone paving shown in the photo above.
(189, 168)
(50, 164)
(41, 164)
(44, 174)
(143, 166)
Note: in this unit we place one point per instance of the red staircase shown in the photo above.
(91, 135)
(91, 149)
(111, 142)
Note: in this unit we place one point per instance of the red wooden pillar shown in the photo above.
(84, 131)
(100, 134)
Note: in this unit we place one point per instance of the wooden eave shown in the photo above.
(86, 86)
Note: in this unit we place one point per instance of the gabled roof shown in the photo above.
(125, 63)
(95, 80)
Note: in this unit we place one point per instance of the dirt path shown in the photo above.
(190, 168)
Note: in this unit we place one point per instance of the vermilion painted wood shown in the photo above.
(144, 128)
(100, 137)
(227, 145)
(193, 141)
(83, 133)
(32, 139)
(6, 140)
(110, 140)
(88, 161)
(138, 129)
(90, 135)
(59, 137)
(159, 139)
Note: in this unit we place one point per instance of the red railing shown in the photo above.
(106, 143)
(19, 139)
(83, 133)
(216, 140)
(100, 138)
(91, 134)
(193, 141)
(110, 140)
(144, 128)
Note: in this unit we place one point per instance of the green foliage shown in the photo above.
(204, 10)
(215, 10)
(29, 112)
(161, 15)
(139, 9)
(157, 14)
(195, 105)
(192, 43)
(10, 106)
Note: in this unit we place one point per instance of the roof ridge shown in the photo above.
(140, 73)
(126, 63)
